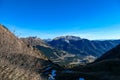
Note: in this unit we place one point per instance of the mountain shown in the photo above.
(33, 41)
(83, 47)
(57, 56)
(47, 40)
(112, 54)
(107, 67)
(19, 61)
(67, 38)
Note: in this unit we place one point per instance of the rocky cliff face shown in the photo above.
(19, 61)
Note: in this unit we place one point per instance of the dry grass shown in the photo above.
(17, 60)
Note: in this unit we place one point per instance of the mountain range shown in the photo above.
(71, 50)
(33, 59)
(56, 55)
(83, 47)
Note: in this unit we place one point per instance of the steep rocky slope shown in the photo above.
(19, 61)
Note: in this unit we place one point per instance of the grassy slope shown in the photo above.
(17, 60)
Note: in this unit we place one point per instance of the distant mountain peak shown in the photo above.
(67, 38)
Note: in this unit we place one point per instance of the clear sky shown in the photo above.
(91, 19)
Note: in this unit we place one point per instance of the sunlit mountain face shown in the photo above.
(86, 50)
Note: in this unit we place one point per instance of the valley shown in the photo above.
(34, 59)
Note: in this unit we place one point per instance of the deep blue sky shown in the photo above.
(92, 19)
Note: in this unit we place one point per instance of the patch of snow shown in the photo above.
(52, 75)
(67, 41)
(81, 79)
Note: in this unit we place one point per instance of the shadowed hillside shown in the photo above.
(112, 54)
(107, 66)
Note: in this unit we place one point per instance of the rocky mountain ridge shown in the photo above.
(83, 47)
